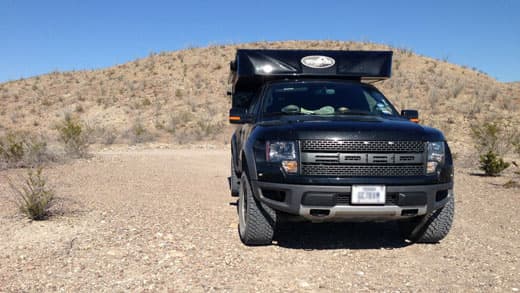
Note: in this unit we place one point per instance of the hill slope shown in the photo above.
(180, 96)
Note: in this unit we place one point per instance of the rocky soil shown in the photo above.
(163, 220)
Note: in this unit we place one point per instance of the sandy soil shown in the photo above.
(163, 220)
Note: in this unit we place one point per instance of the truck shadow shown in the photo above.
(339, 236)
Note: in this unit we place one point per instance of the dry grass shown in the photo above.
(181, 96)
(20, 149)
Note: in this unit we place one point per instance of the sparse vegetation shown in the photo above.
(516, 143)
(146, 102)
(192, 78)
(73, 136)
(32, 194)
(494, 136)
(101, 134)
(138, 133)
(456, 89)
(492, 164)
(22, 150)
(207, 128)
(491, 141)
(79, 108)
(511, 184)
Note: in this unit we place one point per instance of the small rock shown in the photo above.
(112, 252)
(176, 253)
(360, 273)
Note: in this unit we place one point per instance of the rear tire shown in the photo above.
(257, 221)
(431, 228)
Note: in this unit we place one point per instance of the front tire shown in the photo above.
(257, 221)
(431, 228)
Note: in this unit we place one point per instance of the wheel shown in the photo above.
(256, 221)
(233, 180)
(431, 228)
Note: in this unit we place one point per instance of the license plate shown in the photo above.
(368, 194)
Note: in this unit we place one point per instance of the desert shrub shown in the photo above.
(490, 136)
(21, 150)
(79, 108)
(456, 89)
(146, 102)
(208, 124)
(433, 100)
(138, 133)
(108, 137)
(511, 184)
(101, 134)
(492, 164)
(492, 140)
(208, 129)
(516, 143)
(32, 195)
(178, 119)
(12, 147)
(73, 135)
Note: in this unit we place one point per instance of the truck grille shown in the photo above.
(313, 145)
(333, 158)
(365, 170)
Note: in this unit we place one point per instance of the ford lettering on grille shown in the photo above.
(361, 159)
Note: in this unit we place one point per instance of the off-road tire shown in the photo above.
(257, 221)
(431, 228)
(234, 181)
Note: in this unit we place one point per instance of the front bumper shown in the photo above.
(331, 203)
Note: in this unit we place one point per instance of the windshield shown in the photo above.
(325, 98)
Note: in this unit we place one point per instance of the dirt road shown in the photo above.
(163, 220)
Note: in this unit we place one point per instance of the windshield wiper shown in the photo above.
(283, 113)
(356, 113)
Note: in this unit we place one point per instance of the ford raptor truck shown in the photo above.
(317, 141)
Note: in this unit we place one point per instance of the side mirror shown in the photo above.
(239, 116)
(412, 115)
(233, 66)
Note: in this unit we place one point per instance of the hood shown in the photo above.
(345, 128)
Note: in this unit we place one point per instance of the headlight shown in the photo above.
(284, 152)
(435, 156)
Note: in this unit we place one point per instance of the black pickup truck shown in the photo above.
(319, 142)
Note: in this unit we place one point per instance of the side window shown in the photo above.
(242, 99)
(253, 108)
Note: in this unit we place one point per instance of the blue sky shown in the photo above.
(42, 36)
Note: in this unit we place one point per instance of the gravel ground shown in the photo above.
(163, 220)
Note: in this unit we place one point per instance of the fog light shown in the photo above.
(290, 166)
(431, 167)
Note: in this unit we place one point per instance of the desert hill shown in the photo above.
(180, 96)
